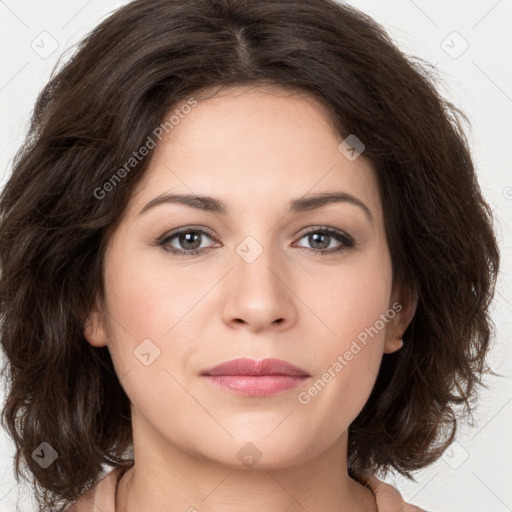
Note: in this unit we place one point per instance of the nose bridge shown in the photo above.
(257, 263)
(258, 293)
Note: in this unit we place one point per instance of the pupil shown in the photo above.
(316, 244)
(186, 240)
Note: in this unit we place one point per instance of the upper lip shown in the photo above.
(244, 366)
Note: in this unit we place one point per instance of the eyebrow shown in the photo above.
(302, 204)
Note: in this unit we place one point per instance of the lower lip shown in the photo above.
(262, 385)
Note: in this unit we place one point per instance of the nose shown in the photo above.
(260, 293)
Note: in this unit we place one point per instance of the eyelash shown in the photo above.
(346, 240)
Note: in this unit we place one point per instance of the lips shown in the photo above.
(251, 378)
(244, 366)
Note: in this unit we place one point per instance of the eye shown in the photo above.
(321, 239)
(187, 239)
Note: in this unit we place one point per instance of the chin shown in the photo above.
(262, 452)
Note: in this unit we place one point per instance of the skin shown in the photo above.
(254, 149)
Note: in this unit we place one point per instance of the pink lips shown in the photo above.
(256, 378)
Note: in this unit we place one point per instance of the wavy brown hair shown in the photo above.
(101, 106)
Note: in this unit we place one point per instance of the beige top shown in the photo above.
(101, 498)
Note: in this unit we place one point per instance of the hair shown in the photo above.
(102, 105)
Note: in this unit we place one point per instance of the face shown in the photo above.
(249, 277)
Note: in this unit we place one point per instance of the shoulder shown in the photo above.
(388, 497)
(100, 497)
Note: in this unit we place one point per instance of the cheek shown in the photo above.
(148, 299)
(356, 312)
(151, 337)
(352, 299)
(154, 327)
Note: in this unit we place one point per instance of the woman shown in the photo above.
(245, 262)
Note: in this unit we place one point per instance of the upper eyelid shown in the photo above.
(210, 231)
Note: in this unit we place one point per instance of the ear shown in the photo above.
(94, 328)
(404, 304)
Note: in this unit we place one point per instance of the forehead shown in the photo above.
(252, 147)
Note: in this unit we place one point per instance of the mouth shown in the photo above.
(256, 378)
